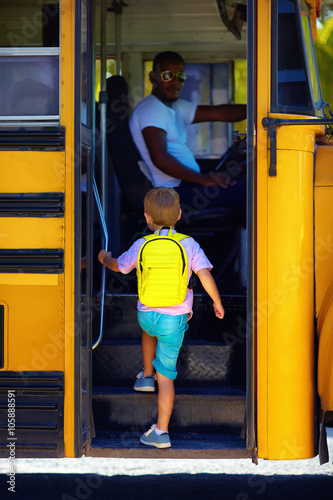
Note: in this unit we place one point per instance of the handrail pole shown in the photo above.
(106, 243)
(103, 105)
(101, 201)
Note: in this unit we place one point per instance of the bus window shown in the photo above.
(29, 86)
(208, 84)
(29, 62)
(290, 86)
(310, 55)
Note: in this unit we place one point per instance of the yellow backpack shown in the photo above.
(162, 270)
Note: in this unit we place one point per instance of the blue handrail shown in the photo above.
(106, 243)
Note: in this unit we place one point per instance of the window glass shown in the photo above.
(240, 89)
(29, 60)
(29, 86)
(85, 118)
(290, 89)
(29, 23)
(310, 55)
(207, 84)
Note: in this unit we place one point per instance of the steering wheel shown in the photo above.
(233, 161)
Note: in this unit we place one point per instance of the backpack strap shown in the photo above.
(175, 236)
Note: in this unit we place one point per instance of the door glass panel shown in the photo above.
(310, 54)
(290, 86)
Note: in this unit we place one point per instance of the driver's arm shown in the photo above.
(155, 139)
(220, 113)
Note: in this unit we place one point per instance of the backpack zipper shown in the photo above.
(163, 238)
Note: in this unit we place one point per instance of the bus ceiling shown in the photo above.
(192, 27)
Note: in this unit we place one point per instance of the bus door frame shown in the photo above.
(84, 147)
(251, 430)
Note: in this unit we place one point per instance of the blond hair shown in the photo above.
(162, 204)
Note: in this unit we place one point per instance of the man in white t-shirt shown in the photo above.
(158, 126)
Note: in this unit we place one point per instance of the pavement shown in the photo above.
(90, 478)
(168, 486)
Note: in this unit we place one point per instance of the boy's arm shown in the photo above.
(209, 285)
(107, 260)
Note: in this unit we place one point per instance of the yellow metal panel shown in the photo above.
(323, 222)
(260, 308)
(67, 119)
(36, 326)
(325, 354)
(283, 310)
(323, 242)
(324, 272)
(32, 171)
(297, 138)
(29, 232)
(324, 164)
(20, 279)
(5, 334)
(290, 353)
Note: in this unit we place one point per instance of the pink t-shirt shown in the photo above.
(196, 259)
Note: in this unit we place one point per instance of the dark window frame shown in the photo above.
(276, 107)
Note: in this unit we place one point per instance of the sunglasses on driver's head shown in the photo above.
(167, 76)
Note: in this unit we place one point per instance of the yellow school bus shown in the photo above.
(260, 385)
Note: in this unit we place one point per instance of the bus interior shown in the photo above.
(211, 367)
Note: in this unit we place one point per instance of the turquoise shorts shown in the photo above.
(169, 331)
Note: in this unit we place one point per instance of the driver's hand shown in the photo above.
(221, 179)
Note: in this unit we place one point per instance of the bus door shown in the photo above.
(211, 394)
(85, 229)
(288, 120)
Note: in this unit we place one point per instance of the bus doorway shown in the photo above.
(209, 418)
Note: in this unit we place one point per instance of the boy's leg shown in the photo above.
(166, 397)
(170, 336)
(148, 353)
(158, 434)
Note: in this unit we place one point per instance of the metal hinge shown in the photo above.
(271, 124)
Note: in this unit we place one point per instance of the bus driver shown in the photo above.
(158, 126)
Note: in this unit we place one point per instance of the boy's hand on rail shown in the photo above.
(103, 256)
(107, 260)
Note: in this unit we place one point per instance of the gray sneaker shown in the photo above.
(146, 384)
(150, 438)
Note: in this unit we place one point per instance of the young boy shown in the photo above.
(164, 327)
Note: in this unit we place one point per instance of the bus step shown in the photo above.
(206, 410)
(183, 445)
(116, 363)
